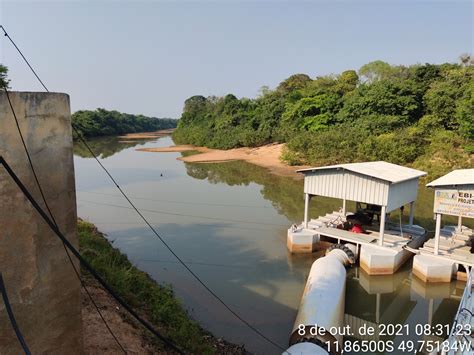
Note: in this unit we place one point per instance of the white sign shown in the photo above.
(454, 202)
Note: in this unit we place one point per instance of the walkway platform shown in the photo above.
(454, 251)
(375, 259)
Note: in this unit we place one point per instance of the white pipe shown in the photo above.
(321, 312)
(305, 349)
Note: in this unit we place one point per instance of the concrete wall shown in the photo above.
(43, 290)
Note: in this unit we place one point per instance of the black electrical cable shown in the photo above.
(84, 263)
(184, 214)
(11, 316)
(171, 250)
(174, 201)
(56, 224)
(26, 61)
(80, 137)
(467, 310)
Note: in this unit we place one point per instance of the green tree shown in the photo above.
(448, 98)
(311, 113)
(347, 82)
(102, 122)
(384, 97)
(3, 77)
(374, 71)
(294, 82)
(389, 113)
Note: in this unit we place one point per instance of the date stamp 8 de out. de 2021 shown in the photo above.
(379, 338)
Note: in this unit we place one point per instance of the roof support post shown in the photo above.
(307, 198)
(412, 212)
(437, 233)
(344, 207)
(383, 212)
(459, 223)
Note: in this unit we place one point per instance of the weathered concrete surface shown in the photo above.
(43, 290)
(376, 260)
(303, 241)
(433, 269)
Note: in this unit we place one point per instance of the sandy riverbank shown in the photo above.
(148, 135)
(267, 156)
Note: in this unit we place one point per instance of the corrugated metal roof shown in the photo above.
(455, 177)
(382, 170)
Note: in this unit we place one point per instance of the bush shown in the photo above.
(139, 290)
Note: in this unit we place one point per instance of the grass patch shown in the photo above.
(139, 290)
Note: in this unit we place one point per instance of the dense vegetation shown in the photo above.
(420, 115)
(102, 122)
(157, 302)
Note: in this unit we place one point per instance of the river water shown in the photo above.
(228, 222)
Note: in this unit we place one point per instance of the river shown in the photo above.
(228, 222)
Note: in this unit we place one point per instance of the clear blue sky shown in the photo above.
(149, 56)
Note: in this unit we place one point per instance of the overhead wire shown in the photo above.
(11, 317)
(183, 214)
(84, 262)
(174, 201)
(198, 279)
(38, 184)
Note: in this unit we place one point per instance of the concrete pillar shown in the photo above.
(307, 198)
(383, 212)
(437, 233)
(412, 213)
(44, 292)
(460, 224)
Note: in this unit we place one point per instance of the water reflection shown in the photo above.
(228, 221)
(105, 147)
(399, 299)
(286, 194)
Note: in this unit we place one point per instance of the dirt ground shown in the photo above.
(97, 339)
(267, 156)
(134, 339)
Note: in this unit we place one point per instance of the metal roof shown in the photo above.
(455, 177)
(382, 170)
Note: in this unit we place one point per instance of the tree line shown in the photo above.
(102, 122)
(420, 115)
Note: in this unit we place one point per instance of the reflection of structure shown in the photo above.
(397, 299)
(380, 300)
(439, 259)
(384, 187)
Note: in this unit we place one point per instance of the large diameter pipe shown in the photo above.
(305, 349)
(320, 316)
